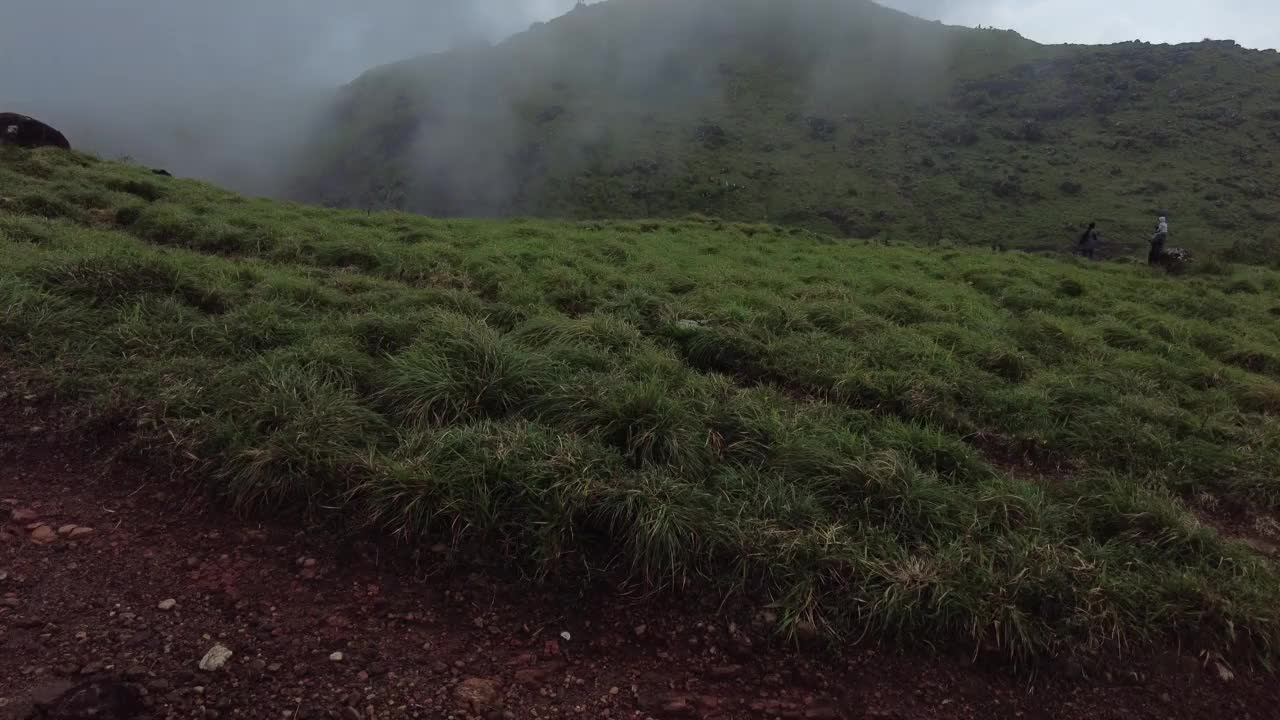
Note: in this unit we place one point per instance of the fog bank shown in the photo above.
(228, 90)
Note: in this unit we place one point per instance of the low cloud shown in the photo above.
(225, 90)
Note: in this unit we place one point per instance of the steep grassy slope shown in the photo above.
(836, 115)
(988, 448)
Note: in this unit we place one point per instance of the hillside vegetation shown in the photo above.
(839, 116)
(959, 446)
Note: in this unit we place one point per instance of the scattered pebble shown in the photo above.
(336, 657)
(479, 692)
(167, 604)
(66, 529)
(217, 656)
(81, 532)
(43, 534)
(24, 515)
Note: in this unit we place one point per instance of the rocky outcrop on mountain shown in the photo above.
(28, 132)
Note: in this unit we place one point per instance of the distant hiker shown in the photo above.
(1158, 240)
(1089, 241)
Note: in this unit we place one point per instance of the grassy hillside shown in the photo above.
(992, 449)
(836, 115)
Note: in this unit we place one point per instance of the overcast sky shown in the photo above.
(127, 48)
(1252, 23)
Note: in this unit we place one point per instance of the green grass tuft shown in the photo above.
(992, 450)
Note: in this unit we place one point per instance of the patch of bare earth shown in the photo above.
(124, 594)
(1258, 530)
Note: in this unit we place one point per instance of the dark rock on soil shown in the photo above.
(107, 699)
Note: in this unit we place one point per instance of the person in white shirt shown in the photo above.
(1158, 241)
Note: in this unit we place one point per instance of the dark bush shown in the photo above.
(49, 206)
(148, 191)
(1070, 288)
(711, 135)
(128, 215)
(960, 134)
(1147, 74)
(821, 129)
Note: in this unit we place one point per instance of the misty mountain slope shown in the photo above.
(1013, 455)
(838, 115)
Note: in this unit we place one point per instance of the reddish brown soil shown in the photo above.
(420, 634)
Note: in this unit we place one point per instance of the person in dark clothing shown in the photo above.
(1158, 240)
(1089, 241)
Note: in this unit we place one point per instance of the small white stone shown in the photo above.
(217, 656)
(168, 604)
(336, 657)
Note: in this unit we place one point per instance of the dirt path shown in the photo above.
(120, 618)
